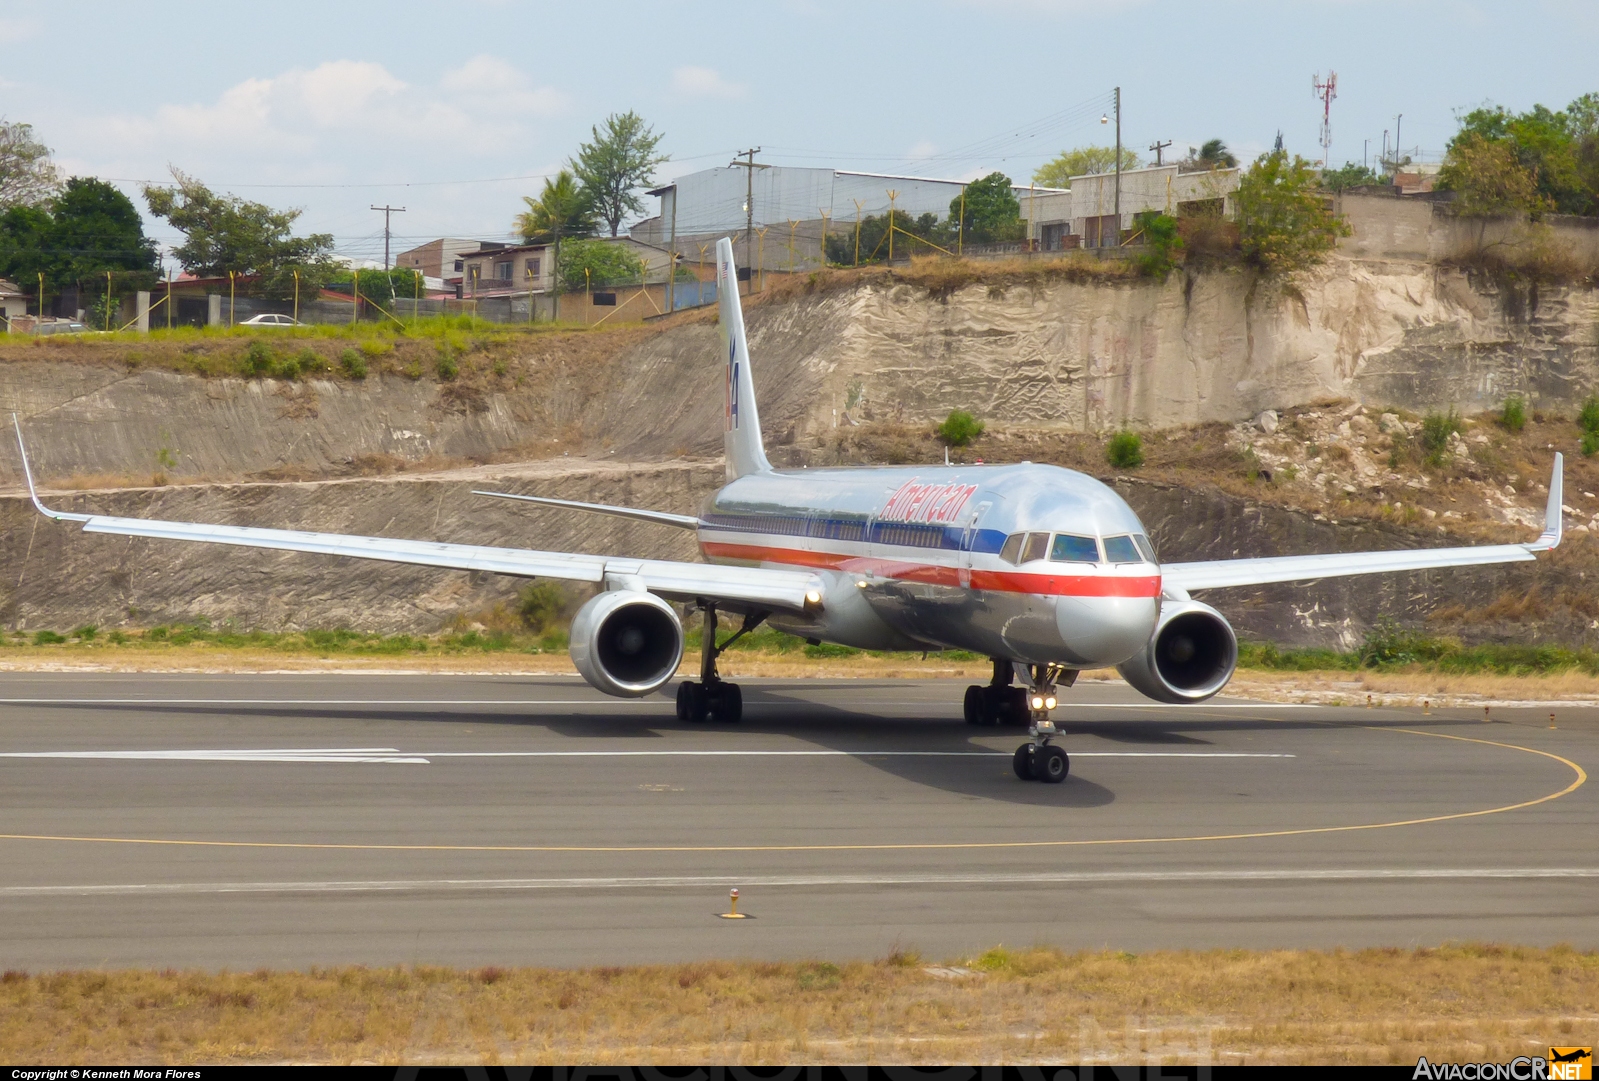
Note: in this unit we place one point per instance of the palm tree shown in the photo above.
(562, 209)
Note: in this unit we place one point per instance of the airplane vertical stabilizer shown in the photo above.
(741, 437)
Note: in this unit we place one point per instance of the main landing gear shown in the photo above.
(998, 703)
(1041, 760)
(712, 699)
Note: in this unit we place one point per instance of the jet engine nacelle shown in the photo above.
(1190, 656)
(626, 642)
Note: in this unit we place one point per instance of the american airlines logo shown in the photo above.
(936, 503)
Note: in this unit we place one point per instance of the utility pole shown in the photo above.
(1398, 121)
(1118, 166)
(1157, 146)
(749, 196)
(1105, 120)
(387, 210)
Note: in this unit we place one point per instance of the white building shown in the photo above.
(1089, 211)
(792, 208)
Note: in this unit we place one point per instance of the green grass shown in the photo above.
(1389, 649)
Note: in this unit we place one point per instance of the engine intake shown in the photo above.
(627, 643)
(1189, 658)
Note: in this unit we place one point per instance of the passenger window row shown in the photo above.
(1022, 548)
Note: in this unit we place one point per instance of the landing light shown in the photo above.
(1038, 701)
(1049, 703)
(813, 596)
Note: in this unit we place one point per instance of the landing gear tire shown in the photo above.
(1023, 763)
(1052, 765)
(691, 703)
(727, 703)
(1000, 706)
(973, 705)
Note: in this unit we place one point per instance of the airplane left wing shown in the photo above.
(747, 587)
(1221, 573)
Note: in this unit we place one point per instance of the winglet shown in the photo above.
(1552, 517)
(33, 494)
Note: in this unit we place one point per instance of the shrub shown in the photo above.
(1588, 418)
(447, 367)
(540, 605)
(1125, 450)
(47, 638)
(310, 361)
(257, 358)
(960, 428)
(353, 364)
(1436, 428)
(86, 632)
(1514, 415)
(1162, 243)
(1590, 444)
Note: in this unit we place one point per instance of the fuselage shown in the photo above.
(1029, 562)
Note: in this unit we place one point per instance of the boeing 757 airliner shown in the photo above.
(1043, 569)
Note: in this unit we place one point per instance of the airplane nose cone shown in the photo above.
(1106, 630)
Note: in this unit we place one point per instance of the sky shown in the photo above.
(455, 112)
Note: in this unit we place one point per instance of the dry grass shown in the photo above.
(1469, 1003)
(1410, 688)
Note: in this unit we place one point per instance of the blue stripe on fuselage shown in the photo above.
(900, 534)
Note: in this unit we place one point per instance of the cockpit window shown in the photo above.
(1070, 549)
(1012, 551)
(1121, 550)
(1145, 547)
(1037, 547)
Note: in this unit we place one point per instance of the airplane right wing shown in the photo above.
(1221, 573)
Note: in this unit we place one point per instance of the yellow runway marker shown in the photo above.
(905, 846)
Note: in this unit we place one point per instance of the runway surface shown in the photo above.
(289, 821)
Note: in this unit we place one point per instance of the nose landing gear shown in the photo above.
(712, 698)
(1041, 760)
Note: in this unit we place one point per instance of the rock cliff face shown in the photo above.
(1214, 346)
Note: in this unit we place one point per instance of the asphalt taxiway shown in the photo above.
(239, 821)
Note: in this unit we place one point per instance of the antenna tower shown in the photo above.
(1326, 91)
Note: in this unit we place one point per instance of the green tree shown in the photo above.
(1553, 147)
(1212, 155)
(874, 238)
(612, 168)
(992, 210)
(1284, 223)
(224, 233)
(1350, 176)
(90, 229)
(606, 263)
(1083, 161)
(1488, 179)
(27, 175)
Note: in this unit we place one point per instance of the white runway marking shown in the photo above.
(275, 754)
(746, 882)
(392, 756)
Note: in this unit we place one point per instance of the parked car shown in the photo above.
(61, 326)
(271, 321)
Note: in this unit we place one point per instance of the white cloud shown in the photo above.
(14, 30)
(293, 123)
(704, 83)
(922, 149)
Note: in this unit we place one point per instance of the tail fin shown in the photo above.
(741, 438)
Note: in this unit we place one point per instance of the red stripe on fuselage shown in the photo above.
(1052, 585)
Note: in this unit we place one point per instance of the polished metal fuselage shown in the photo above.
(911, 559)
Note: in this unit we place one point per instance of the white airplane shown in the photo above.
(1043, 569)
